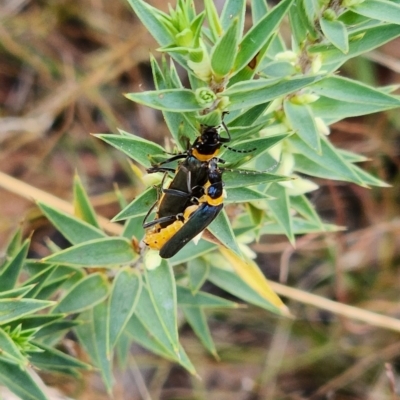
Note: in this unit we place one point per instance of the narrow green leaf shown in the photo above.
(93, 335)
(329, 159)
(224, 52)
(351, 157)
(331, 110)
(181, 128)
(197, 273)
(310, 167)
(303, 206)
(372, 38)
(152, 19)
(133, 228)
(197, 320)
(231, 283)
(171, 75)
(40, 279)
(66, 274)
(10, 351)
(303, 122)
(243, 177)
(257, 216)
(145, 338)
(139, 206)
(252, 93)
(124, 296)
(247, 118)
(280, 209)
(146, 312)
(87, 336)
(248, 150)
(278, 69)
(243, 194)
(50, 286)
(368, 179)
(176, 122)
(16, 292)
(344, 89)
(36, 321)
(213, 19)
(82, 207)
(101, 330)
(260, 34)
(222, 230)
(383, 10)
(275, 46)
(336, 33)
(246, 131)
(162, 290)
(22, 382)
(134, 146)
(201, 299)
(33, 267)
(184, 360)
(11, 309)
(122, 350)
(107, 251)
(191, 251)
(233, 9)
(10, 272)
(72, 228)
(14, 244)
(52, 359)
(309, 10)
(298, 24)
(85, 294)
(252, 68)
(159, 79)
(141, 334)
(56, 327)
(196, 22)
(300, 227)
(351, 18)
(258, 10)
(177, 100)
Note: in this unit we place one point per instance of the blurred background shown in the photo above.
(64, 66)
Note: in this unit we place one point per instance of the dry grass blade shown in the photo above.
(369, 317)
(31, 193)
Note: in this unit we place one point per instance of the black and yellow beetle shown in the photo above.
(169, 234)
(190, 176)
(194, 197)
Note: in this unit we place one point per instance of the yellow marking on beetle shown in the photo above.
(204, 157)
(156, 238)
(214, 202)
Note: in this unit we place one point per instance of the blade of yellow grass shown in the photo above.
(369, 317)
(380, 321)
(31, 193)
(250, 273)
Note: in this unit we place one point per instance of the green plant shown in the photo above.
(27, 337)
(285, 114)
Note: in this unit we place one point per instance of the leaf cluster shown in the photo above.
(30, 326)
